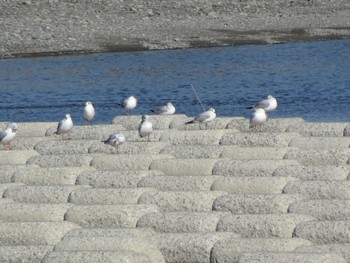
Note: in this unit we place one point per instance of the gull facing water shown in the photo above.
(167, 109)
(129, 104)
(89, 112)
(145, 128)
(8, 135)
(65, 126)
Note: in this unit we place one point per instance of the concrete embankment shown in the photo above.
(189, 194)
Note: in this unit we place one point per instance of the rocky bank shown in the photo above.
(51, 27)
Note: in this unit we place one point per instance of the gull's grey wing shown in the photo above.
(262, 104)
(203, 116)
(59, 126)
(112, 138)
(2, 135)
(160, 110)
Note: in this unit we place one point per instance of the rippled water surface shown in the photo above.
(310, 80)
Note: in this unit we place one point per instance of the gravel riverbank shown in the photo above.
(52, 27)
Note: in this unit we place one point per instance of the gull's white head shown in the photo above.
(169, 104)
(270, 97)
(13, 126)
(68, 116)
(212, 109)
(88, 103)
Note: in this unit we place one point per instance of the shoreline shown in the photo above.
(43, 27)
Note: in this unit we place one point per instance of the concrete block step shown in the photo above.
(178, 183)
(108, 216)
(33, 233)
(188, 247)
(55, 194)
(251, 185)
(96, 256)
(263, 226)
(193, 151)
(291, 257)
(258, 139)
(319, 129)
(7, 170)
(124, 242)
(320, 142)
(117, 179)
(22, 212)
(319, 156)
(185, 167)
(256, 168)
(15, 157)
(159, 122)
(319, 189)
(125, 162)
(128, 148)
(230, 250)
(26, 143)
(121, 233)
(63, 147)
(197, 137)
(339, 249)
(253, 153)
(33, 129)
(4, 187)
(175, 222)
(32, 175)
(314, 172)
(272, 125)
(68, 160)
(107, 196)
(23, 253)
(323, 209)
(256, 203)
(181, 200)
(86, 132)
(324, 232)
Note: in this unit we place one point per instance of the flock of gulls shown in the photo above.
(258, 117)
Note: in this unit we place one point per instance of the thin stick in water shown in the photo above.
(197, 97)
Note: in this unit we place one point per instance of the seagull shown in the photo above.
(268, 104)
(115, 139)
(145, 128)
(7, 135)
(89, 112)
(258, 118)
(65, 126)
(129, 104)
(204, 117)
(167, 109)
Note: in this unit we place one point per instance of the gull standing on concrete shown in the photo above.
(129, 104)
(268, 104)
(145, 128)
(89, 112)
(115, 139)
(167, 109)
(65, 126)
(257, 119)
(204, 117)
(7, 135)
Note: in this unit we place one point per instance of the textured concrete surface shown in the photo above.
(225, 194)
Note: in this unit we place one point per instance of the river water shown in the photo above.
(309, 79)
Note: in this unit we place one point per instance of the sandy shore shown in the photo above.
(51, 27)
